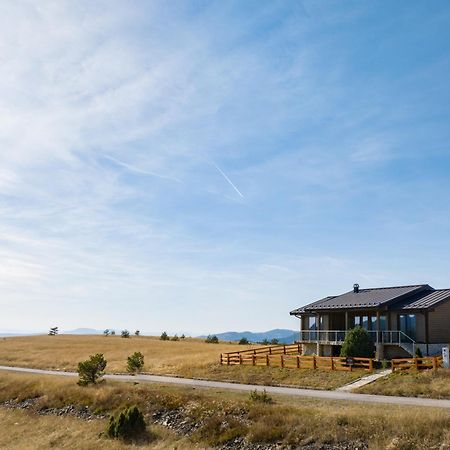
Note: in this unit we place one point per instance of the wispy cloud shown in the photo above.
(227, 179)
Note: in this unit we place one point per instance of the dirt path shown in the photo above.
(295, 392)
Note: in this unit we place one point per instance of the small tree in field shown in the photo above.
(164, 336)
(125, 334)
(175, 338)
(137, 333)
(212, 339)
(128, 425)
(53, 331)
(106, 332)
(274, 341)
(183, 336)
(135, 362)
(357, 344)
(113, 332)
(244, 341)
(91, 370)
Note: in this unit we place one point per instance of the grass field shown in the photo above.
(412, 384)
(188, 358)
(220, 417)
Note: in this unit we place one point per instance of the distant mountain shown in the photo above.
(82, 331)
(284, 336)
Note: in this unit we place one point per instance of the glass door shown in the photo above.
(407, 324)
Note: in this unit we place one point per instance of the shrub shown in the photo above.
(53, 331)
(274, 341)
(128, 425)
(182, 336)
(175, 338)
(244, 341)
(135, 362)
(164, 336)
(113, 332)
(260, 397)
(357, 344)
(106, 332)
(212, 339)
(91, 370)
(419, 353)
(125, 334)
(265, 342)
(137, 333)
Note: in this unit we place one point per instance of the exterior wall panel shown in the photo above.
(439, 320)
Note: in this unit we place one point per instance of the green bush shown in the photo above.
(164, 336)
(274, 341)
(125, 334)
(212, 339)
(244, 341)
(128, 425)
(175, 338)
(357, 344)
(418, 353)
(91, 370)
(260, 397)
(135, 362)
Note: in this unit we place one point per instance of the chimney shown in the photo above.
(356, 288)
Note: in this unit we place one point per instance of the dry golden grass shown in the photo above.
(65, 351)
(412, 384)
(187, 358)
(293, 421)
(27, 431)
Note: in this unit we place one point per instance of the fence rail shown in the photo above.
(271, 350)
(297, 361)
(427, 363)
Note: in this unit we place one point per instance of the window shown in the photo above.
(407, 324)
(312, 323)
(357, 321)
(365, 322)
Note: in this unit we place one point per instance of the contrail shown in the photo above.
(226, 178)
(141, 171)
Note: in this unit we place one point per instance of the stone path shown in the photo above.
(363, 381)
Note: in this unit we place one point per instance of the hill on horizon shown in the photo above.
(284, 336)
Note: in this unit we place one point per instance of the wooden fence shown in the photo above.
(427, 363)
(283, 357)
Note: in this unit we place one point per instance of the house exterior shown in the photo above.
(399, 319)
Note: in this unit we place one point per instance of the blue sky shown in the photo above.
(208, 166)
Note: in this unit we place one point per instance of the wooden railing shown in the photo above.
(291, 349)
(427, 363)
(291, 361)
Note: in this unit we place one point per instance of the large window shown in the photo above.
(369, 322)
(407, 324)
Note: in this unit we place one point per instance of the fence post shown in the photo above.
(435, 363)
(298, 361)
(282, 360)
(416, 363)
(314, 362)
(332, 363)
(284, 349)
(228, 359)
(254, 359)
(370, 365)
(240, 359)
(267, 359)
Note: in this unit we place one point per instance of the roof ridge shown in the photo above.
(395, 287)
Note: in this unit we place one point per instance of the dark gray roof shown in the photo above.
(427, 300)
(366, 298)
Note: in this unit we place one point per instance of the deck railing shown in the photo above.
(404, 364)
(338, 336)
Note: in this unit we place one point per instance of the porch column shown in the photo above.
(346, 320)
(379, 346)
(318, 335)
(301, 327)
(426, 331)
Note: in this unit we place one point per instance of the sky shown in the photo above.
(205, 166)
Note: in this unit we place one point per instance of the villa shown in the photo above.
(399, 319)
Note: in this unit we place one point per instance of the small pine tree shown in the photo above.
(418, 353)
(125, 334)
(274, 341)
(265, 342)
(113, 332)
(135, 362)
(244, 341)
(357, 343)
(106, 332)
(129, 424)
(91, 370)
(182, 336)
(164, 336)
(53, 331)
(137, 333)
(175, 338)
(212, 339)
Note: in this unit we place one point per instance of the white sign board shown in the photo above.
(446, 356)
